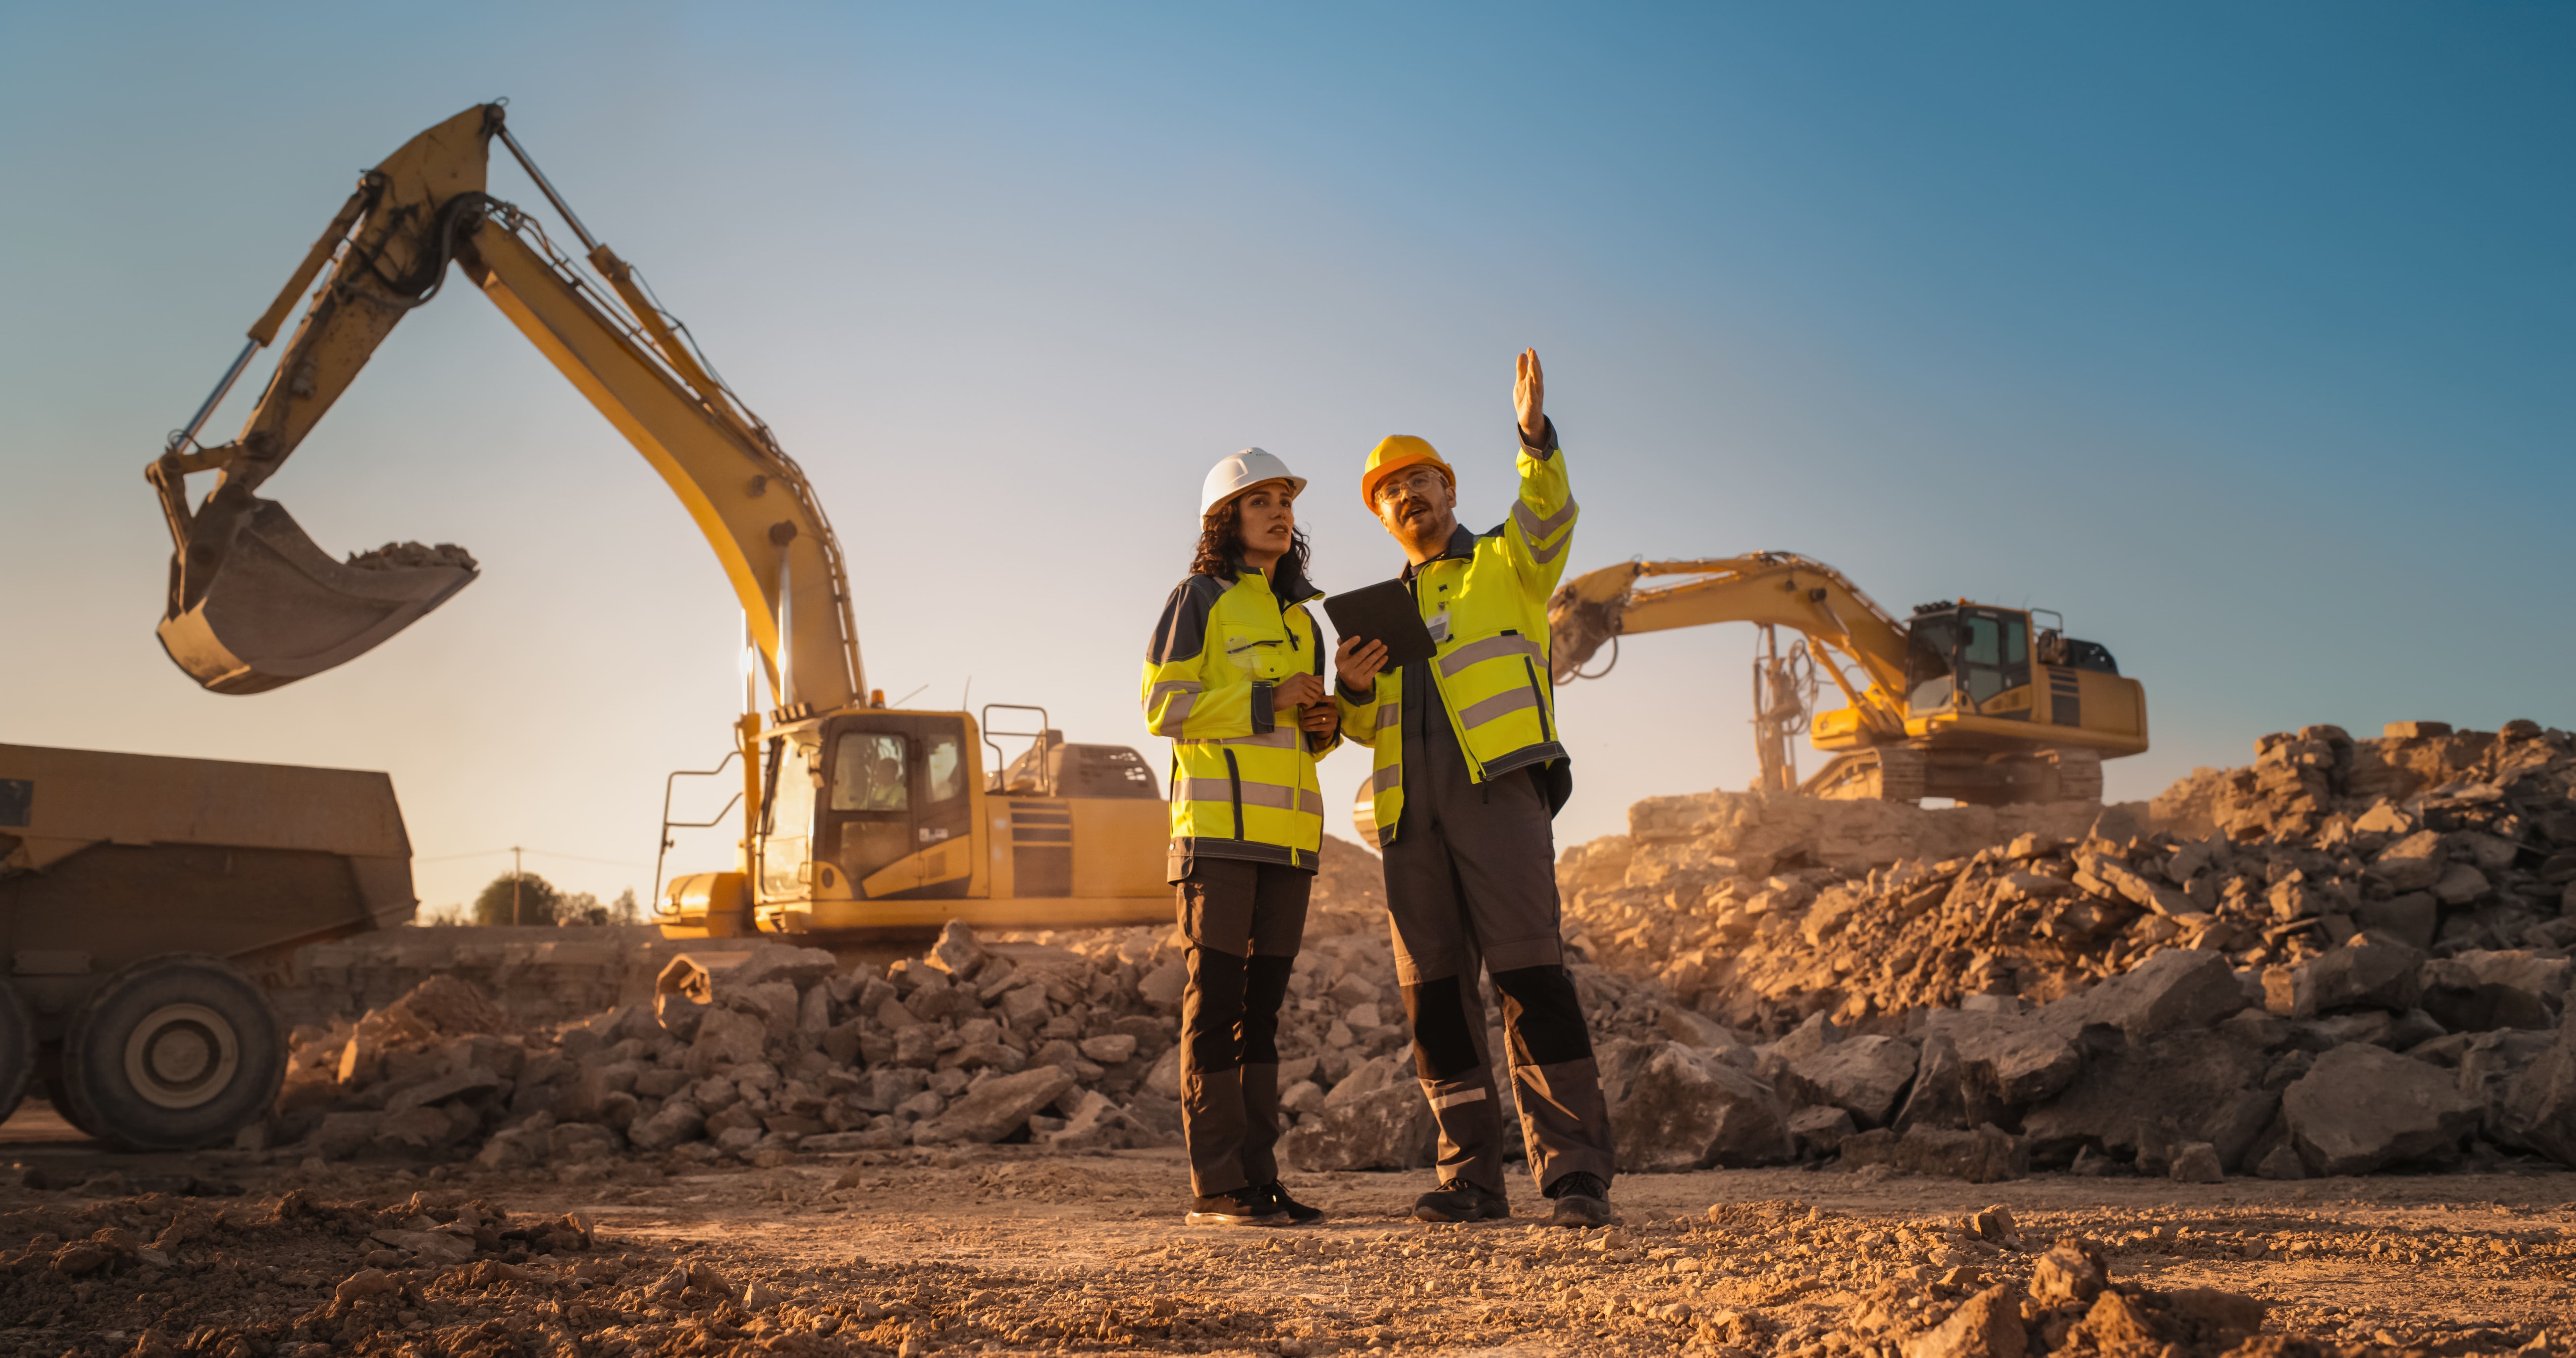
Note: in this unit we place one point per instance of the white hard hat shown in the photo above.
(1241, 472)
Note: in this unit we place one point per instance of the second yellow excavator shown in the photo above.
(856, 819)
(1973, 702)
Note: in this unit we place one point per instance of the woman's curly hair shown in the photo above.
(1220, 549)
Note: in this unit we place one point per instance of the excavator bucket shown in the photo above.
(279, 608)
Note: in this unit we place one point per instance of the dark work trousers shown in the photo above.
(1244, 921)
(1470, 885)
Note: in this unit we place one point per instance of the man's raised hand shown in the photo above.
(1529, 396)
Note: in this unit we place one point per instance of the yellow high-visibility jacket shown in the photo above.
(1243, 776)
(1485, 601)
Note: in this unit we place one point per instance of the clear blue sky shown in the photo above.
(2243, 335)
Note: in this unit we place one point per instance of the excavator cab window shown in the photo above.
(1994, 652)
(1928, 644)
(787, 832)
(897, 788)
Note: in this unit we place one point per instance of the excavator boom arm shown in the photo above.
(254, 604)
(1775, 588)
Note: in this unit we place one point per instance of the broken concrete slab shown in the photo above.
(2176, 988)
(1673, 1107)
(2181, 1086)
(995, 1107)
(1387, 1128)
(2015, 1059)
(2362, 1108)
(1863, 1076)
(1986, 1155)
(2373, 971)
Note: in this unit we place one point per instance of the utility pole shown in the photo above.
(517, 876)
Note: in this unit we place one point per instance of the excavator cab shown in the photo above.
(1956, 650)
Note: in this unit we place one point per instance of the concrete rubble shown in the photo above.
(2258, 974)
(557, 1053)
(2351, 956)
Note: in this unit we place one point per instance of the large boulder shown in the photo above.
(995, 1107)
(1863, 1076)
(1673, 1107)
(2373, 971)
(2142, 1095)
(2412, 863)
(2361, 1108)
(1389, 1127)
(1986, 1155)
(2540, 1109)
(2176, 988)
(2012, 1058)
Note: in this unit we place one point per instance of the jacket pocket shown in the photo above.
(1545, 730)
(1234, 783)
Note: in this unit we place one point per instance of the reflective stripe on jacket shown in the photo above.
(1491, 666)
(1243, 776)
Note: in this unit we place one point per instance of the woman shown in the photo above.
(1234, 675)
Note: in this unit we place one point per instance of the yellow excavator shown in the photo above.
(1968, 701)
(857, 820)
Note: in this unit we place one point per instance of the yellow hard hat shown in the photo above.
(1393, 454)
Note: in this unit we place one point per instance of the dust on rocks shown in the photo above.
(1885, 1082)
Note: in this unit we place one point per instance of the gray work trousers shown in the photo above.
(1244, 921)
(1470, 885)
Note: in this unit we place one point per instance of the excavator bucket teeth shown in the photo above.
(279, 608)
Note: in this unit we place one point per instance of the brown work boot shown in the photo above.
(1248, 1206)
(1581, 1200)
(1298, 1213)
(1459, 1200)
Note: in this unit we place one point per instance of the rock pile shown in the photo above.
(765, 1053)
(2352, 955)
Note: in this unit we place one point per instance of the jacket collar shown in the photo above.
(1288, 582)
(1462, 545)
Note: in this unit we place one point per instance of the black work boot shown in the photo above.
(1581, 1200)
(1298, 1213)
(1459, 1200)
(1249, 1206)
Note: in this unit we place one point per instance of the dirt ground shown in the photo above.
(1005, 1250)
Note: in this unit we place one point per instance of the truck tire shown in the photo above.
(175, 1052)
(17, 1050)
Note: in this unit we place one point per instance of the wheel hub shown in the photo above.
(181, 1055)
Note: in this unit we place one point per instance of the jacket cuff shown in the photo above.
(1264, 714)
(1544, 446)
(1351, 695)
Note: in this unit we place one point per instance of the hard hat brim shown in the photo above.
(1377, 476)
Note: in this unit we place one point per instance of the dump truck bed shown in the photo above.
(107, 857)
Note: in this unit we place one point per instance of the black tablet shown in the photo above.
(1383, 612)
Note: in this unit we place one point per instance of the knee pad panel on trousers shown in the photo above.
(1543, 1014)
(1443, 1048)
(1265, 988)
(1212, 1010)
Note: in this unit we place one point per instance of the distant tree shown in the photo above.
(536, 900)
(440, 916)
(581, 908)
(624, 910)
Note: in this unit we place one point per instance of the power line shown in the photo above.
(541, 853)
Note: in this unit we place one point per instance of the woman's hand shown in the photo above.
(1359, 664)
(1320, 722)
(1297, 690)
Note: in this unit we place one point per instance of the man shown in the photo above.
(1468, 771)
